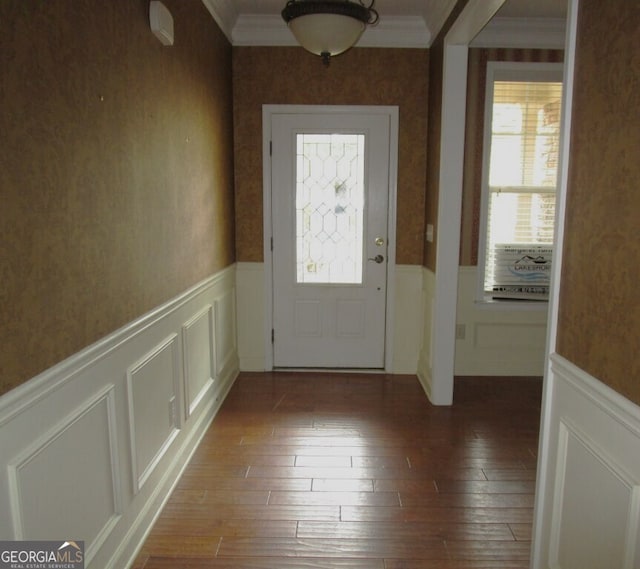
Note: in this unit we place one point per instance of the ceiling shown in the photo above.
(534, 9)
(403, 23)
(424, 8)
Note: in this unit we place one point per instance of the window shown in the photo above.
(330, 208)
(522, 138)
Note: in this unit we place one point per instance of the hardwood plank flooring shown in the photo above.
(356, 471)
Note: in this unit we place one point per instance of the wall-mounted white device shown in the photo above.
(429, 233)
(161, 22)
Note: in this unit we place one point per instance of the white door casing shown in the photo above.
(473, 18)
(547, 474)
(344, 322)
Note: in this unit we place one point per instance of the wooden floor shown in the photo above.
(353, 471)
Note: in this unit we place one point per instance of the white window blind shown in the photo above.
(522, 179)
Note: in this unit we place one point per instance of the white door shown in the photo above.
(330, 197)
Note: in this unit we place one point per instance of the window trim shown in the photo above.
(504, 71)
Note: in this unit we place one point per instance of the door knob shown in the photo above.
(378, 259)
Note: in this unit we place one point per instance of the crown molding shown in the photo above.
(534, 33)
(392, 31)
(397, 31)
(224, 13)
(270, 30)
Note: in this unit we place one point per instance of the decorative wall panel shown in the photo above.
(199, 357)
(153, 385)
(503, 336)
(588, 500)
(69, 479)
(607, 515)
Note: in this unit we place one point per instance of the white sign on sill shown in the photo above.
(522, 272)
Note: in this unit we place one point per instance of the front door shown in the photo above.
(330, 180)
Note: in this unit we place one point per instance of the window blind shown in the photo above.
(523, 164)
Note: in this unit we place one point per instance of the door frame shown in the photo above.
(268, 111)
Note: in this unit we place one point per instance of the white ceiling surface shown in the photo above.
(403, 23)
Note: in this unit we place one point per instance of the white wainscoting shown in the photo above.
(588, 501)
(425, 359)
(92, 447)
(198, 344)
(153, 386)
(407, 334)
(82, 447)
(497, 340)
(251, 316)
(225, 329)
(408, 319)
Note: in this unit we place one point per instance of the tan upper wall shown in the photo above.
(599, 320)
(116, 173)
(290, 75)
(433, 151)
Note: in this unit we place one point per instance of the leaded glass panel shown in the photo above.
(329, 208)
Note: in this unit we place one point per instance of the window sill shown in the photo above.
(512, 305)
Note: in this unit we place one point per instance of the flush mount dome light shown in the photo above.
(328, 27)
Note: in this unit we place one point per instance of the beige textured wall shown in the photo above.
(290, 75)
(474, 133)
(116, 178)
(599, 321)
(433, 151)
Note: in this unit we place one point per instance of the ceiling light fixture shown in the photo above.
(328, 27)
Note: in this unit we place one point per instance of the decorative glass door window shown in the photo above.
(329, 208)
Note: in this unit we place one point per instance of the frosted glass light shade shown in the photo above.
(328, 27)
(326, 33)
